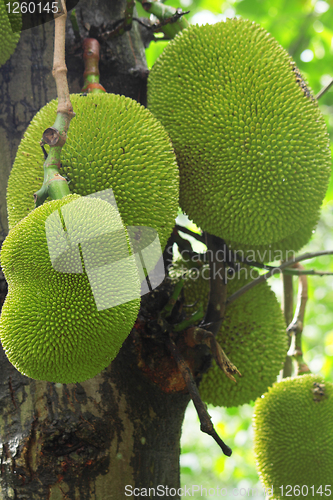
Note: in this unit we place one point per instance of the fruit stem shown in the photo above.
(172, 20)
(91, 71)
(296, 325)
(55, 186)
(288, 311)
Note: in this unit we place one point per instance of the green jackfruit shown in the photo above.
(68, 309)
(8, 39)
(252, 335)
(251, 143)
(293, 438)
(113, 142)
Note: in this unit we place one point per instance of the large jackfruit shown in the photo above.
(251, 143)
(74, 290)
(252, 335)
(293, 438)
(113, 142)
(8, 38)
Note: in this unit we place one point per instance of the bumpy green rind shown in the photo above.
(8, 39)
(282, 250)
(50, 326)
(113, 142)
(253, 335)
(251, 143)
(293, 437)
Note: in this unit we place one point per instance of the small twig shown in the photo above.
(288, 311)
(197, 316)
(205, 420)
(128, 14)
(324, 89)
(296, 325)
(124, 24)
(275, 270)
(167, 310)
(292, 272)
(306, 272)
(171, 20)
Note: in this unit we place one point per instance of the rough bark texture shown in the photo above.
(80, 441)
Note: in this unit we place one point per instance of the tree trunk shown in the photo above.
(89, 440)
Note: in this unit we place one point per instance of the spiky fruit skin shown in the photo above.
(50, 326)
(113, 142)
(252, 335)
(250, 141)
(293, 437)
(8, 39)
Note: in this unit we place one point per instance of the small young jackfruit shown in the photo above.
(293, 438)
(251, 143)
(74, 290)
(252, 335)
(8, 39)
(113, 142)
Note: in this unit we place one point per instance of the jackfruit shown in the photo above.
(8, 39)
(251, 143)
(252, 335)
(74, 290)
(113, 142)
(293, 437)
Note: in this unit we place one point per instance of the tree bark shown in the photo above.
(90, 440)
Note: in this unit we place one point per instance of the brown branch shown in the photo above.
(205, 421)
(288, 311)
(296, 325)
(59, 70)
(91, 66)
(324, 90)
(275, 270)
(217, 286)
(196, 336)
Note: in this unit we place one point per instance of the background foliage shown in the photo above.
(305, 29)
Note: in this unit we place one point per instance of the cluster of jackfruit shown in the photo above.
(293, 435)
(8, 38)
(252, 335)
(62, 321)
(251, 143)
(56, 323)
(253, 155)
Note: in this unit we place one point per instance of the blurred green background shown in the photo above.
(305, 29)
